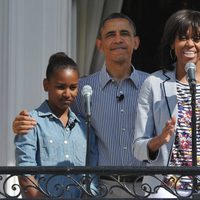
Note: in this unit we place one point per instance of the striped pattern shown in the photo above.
(113, 120)
(182, 148)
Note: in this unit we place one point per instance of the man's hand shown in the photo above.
(23, 123)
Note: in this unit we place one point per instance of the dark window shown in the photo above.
(150, 17)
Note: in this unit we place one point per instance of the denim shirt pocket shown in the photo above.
(50, 150)
(79, 153)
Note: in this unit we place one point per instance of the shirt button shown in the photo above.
(123, 129)
(51, 141)
(125, 148)
(122, 110)
(65, 142)
(66, 156)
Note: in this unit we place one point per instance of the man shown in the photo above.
(115, 92)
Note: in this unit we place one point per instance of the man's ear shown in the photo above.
(99, 44)
(136, 42)
(45, 85)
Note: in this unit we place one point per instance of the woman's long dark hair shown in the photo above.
(177, 25)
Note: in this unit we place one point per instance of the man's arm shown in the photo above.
(23, 123)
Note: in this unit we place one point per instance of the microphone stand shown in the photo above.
(88, 124)
(193, 121)
(87, 92)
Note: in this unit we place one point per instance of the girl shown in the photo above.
(59, 138)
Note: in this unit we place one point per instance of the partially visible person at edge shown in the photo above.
(163, 135)
(115, 94)
(59, 137)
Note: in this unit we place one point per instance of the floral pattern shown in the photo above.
(182, 147)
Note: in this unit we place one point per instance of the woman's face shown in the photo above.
(187, 47)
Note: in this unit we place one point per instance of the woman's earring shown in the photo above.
(172, 55)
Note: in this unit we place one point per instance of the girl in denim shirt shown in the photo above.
(59, 138)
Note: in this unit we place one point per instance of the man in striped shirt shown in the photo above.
(115, 93)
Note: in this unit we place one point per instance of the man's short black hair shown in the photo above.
(117, 16)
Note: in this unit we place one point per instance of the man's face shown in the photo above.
(117, 41)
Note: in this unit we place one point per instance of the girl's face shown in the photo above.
(187, 47)
(62, 88)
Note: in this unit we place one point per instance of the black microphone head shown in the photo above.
(86, 90)
(190, 69)
(190, 65)
(120, 97)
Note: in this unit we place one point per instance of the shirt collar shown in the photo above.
(105, 78)
(44, 110)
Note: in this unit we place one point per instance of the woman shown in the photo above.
(163, 123)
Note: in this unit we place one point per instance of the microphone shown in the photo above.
(87, 93)
(72, 124)
(190, 69)
(120, 97)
